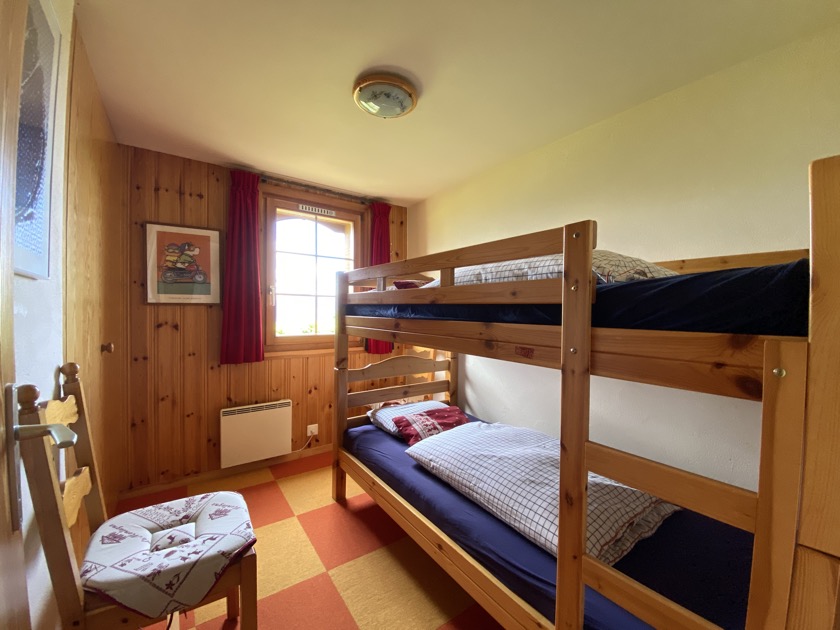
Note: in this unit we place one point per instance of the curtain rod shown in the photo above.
(315, 189)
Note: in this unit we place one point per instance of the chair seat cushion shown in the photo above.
(167, 557)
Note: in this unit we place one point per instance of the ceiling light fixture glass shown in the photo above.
(385, 95)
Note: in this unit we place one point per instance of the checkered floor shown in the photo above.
(326, 566)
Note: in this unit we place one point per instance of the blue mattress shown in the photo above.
(696, 561)
(770, 300)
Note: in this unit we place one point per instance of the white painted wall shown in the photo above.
(39, 327)
(716, 167)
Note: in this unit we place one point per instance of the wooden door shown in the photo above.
(14, 606)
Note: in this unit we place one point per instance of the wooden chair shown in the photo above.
(57, 505)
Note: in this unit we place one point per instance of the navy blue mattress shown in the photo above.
(696, 561)
(770, 300)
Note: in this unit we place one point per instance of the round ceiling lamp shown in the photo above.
(385, 95)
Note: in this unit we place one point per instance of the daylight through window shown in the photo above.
(308, 250)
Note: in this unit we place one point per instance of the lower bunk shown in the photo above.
(693, 560)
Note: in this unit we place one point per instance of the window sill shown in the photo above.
(317, 345)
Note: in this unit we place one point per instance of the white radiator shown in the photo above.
(255, 432)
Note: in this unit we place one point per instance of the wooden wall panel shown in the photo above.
(218, 195)
(194, 334)
(141, 455)
(168, 352)
(95, 268)
(177, 384)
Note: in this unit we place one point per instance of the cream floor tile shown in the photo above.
(234, 482)
(312, 490)
(399, 586)
(284, 557)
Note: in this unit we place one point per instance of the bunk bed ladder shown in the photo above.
(772, 513)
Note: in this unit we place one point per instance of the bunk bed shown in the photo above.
(766, 365)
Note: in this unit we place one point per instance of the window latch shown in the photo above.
(271, 295)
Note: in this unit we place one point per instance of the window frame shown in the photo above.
(275, 197)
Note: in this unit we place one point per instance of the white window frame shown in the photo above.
(355, 213)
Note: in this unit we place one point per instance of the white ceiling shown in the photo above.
(266, 85)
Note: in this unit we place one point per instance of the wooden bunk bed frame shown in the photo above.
(795, 573)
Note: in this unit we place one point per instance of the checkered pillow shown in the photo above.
(513, 473)
(384, 416)
(611, 267)
(414, 427)
(608, 267)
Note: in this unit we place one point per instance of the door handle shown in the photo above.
(60, 434)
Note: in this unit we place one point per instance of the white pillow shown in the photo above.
(384, 416)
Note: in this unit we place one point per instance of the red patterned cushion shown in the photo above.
(414, 427)
(409, 284)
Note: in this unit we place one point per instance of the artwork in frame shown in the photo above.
(182, 265)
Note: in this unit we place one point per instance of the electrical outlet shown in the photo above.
(311, 429)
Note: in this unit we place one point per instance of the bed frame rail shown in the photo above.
(525, 246)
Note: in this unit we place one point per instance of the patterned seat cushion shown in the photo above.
(167, 557)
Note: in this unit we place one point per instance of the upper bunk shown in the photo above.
(701, 331)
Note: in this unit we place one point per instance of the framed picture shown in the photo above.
(182, 265)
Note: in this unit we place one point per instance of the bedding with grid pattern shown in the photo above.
(513, 473)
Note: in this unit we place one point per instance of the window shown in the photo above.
(306, 244)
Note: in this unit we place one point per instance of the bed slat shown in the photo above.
(646, 604)
(708, 378)
(397, 366)
(357, 399)
(520, 353)
(730, 504)
(716, 263)
(529, 334)
(532, 292)
(723, 348)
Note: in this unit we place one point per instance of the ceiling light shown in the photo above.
(384, 95)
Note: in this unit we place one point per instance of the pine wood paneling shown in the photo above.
(96, 265)
(218, 194)
(177, 385)
(194, 322)
(142, 459)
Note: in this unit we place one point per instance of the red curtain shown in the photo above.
(380, 252)
(242, 323)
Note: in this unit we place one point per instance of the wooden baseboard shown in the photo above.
(210, 475)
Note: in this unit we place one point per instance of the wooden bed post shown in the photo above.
(815, 599)
(339, 481)
(578, 242)
(453, 378)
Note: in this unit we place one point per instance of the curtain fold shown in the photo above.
(242, 313)
(380, 252)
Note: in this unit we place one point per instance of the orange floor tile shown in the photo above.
(327, 566)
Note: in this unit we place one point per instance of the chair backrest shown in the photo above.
(57, 505)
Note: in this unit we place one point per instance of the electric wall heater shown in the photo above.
(255, 432)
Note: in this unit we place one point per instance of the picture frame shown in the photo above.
(182, 265)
